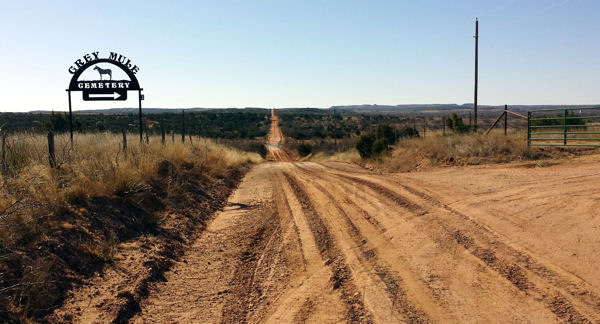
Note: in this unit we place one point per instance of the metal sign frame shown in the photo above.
(104, 89)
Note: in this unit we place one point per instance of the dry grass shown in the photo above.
(98, 166)
(468, 149)
(350, 156)
(38, 204)
(462, 149)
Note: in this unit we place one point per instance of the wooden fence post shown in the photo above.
(162, 131)
(124, 141)
(444, 124)
(51, 155)
(4, 167)
(505, 119)
(146, 129)
(470, 121)
(182, 126)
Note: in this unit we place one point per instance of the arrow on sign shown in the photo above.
(114, 95)
(104, 94)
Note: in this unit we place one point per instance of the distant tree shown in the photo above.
(408, 132)
(386, 133)
(379, 146)
(372, 144)
(58, 122)
(304, 149)
(364, 145)
(557, 120)
(456, 124)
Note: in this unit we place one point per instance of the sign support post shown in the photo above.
(140, 113)
(70, 118)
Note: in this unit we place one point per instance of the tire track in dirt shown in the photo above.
(423, 281)
(342, 276)
(557, 301)
(515, 274)
(396, 294)
(234, 268)
(386, 287)
(252, 273)
(562, 306)
(309, 294)
(573, 285)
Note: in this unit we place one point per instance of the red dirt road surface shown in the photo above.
(333, 242)
(275, 152)
(310, 242)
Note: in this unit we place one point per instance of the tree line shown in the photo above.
(230, 125)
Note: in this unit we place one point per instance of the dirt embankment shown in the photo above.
(153, 228)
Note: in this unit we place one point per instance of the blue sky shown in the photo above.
(306, 53)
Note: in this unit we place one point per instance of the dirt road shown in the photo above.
(332, 242)
(275, 151)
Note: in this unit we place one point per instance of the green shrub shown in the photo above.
(408, 132)
(364, 145)
(379, 146)
(557, 120)
(456, 124)
(377, 143)
(304, 149)
(387, 134)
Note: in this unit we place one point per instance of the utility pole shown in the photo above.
(476, 66)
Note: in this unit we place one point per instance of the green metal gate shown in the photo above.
(564, 127)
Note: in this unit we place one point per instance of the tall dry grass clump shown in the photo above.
(466, 149)
(349, 156)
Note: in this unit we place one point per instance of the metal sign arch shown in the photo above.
(104, 89)
(135, 85)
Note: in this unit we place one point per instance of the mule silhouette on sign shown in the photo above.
(103, 71)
